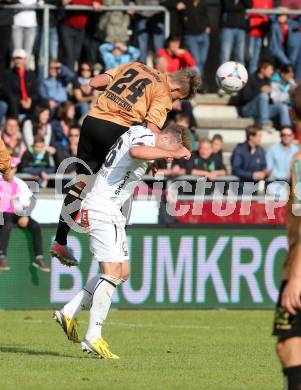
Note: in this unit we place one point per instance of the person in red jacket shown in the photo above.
(72, 30)
(259, 25)
(176, 57)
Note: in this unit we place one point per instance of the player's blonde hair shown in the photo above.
(175, 131)
(188, 81)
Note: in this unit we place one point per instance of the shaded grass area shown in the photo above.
(158, 350)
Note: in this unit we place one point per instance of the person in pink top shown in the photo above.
(176, 57)
(259, 25)
(16, 203)
(13, 141)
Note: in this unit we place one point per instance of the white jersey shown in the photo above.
(119, 175)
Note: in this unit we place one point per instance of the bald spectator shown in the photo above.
(280, 155)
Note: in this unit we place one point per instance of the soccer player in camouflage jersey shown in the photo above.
(287, 322)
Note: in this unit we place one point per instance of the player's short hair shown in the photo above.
(295, 95)
(188, 81)
(181, 115)
(204, 141)
(217, 137)
(263, 64)
(173, 38)
(252, 130)
(286, 68)
(175, 131)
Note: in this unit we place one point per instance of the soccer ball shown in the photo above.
(231, 76)
(21, 204)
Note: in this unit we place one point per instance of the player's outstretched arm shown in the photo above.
(100, 81)
(144, 152)
(154, 128)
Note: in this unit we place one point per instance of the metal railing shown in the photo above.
(274, 11)
(47, 7)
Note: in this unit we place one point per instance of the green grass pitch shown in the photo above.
(159, 350)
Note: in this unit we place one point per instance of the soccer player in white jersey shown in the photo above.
(124, 166)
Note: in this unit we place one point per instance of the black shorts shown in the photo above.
(96, 138)
(286, 325)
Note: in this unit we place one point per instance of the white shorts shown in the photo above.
(108, 242)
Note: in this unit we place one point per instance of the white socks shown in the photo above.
(101, 303)
(81, 300)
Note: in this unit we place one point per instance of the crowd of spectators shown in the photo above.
(40, 116)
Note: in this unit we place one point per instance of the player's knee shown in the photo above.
(125, 274)
(23, 222)
(263, 97)
(284, 350)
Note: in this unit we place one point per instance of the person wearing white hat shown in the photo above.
(20, 86)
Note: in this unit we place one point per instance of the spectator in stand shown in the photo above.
(39, 125)
(20, 86)
(61, 125)
(259, 25)
(279, 156)
(53, 42)
(171, 168)
(14, 218)
(294, 41)
(282, 82)
(3, 108)
(182, 107)
(150, 26)
(281, 38)
(118, 53)
(233, 29)
(204, 163)
(72, 30)
(217, 143)
(248, 158)
(54, 88)
(24, 30)
(182, 119)
(175, 20)
(161, 64)
(176, 57)
(82, 92)
(256, 102)
(114, 25)
(13, 141)
(196, 29)
(6, 22)
(37, 161)
(71, 151)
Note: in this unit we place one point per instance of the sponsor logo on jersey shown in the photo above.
(121, 102)
(122, 184)
(125, 248)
